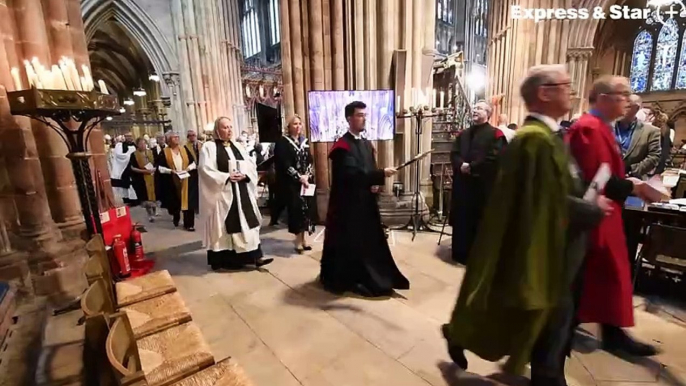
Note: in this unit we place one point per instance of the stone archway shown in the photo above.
(138, 23)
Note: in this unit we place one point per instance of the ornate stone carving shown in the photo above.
(579, 53)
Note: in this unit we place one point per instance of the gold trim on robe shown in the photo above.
(142, 159)
(182, 185)
(189, 147)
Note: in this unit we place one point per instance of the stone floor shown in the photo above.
(286, 331)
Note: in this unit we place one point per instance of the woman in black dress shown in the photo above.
(293, 174)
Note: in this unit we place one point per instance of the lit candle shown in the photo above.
(89, 79)
(17, 79)
(31, 75)
(103, 87)
(66, 74)
(440, 106)
(58, 78)
(433, 98)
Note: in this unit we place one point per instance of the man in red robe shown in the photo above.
(606, 289)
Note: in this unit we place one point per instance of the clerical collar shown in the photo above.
(356, 136)
(222, 142)
(550, 122)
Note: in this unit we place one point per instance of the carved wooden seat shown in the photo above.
(146, 317)
(224, 373)
(156, 360)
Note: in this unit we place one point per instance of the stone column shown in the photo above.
(287, 97)
(386, 30)
(428, 48)
(59, 178)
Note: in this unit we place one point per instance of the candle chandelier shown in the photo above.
(140, 92)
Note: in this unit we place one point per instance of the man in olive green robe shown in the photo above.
(515, 299)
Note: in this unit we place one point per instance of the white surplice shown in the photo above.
(119, 163)
(216, 198)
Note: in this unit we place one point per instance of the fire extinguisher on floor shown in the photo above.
(137, 246)
(122, 256)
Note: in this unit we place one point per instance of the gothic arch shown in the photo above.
(583, 32)
(138, 23)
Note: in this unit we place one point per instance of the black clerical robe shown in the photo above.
(143, 184)
(194, 197)
(175, 194)
(356, 255)
(478, 146)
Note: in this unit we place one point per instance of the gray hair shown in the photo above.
(489, 107)
(189, 132)
(170, 134)
(635, 100)
(537, 77)
(606, 85)
(160, 135)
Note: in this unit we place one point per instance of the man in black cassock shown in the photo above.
(356, 255)
(475, 164)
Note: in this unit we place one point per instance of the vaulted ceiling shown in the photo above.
(118, 59)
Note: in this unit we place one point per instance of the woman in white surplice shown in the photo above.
(228, 205)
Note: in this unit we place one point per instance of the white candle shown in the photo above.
(17, 79)
(415, 97)
(58, 78)
(442, 100)
(74, 73)
(32, 76)
(89, 78)
(427, 97)
(433, 98)
(66, 74)
(103, 87)
(397, 105)
(450, 96)
(46, 78)
(84, 84)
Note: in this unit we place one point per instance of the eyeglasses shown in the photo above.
(556, 84)
(624, 94)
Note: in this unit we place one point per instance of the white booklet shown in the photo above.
(183, 175)
(307, 192)
(149, 166)
(599, 181)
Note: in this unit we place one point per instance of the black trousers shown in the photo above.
(276, 203)
(188, 217)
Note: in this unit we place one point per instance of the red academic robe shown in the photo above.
(607, 292)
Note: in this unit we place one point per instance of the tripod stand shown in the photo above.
(416, 222)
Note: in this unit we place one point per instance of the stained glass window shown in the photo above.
(665, 56)
(681, 75)
(640, 61)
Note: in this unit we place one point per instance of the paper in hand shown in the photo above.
(599, 181)
(307, 192)
(149, 166)
(183, 175)
(415, 159)
(656, 191)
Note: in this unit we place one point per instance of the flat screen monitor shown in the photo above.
(327, 114)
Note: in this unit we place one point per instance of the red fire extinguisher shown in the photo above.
(122, 256)
(137, 246)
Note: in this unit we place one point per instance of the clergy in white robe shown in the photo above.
(119, 173)
(228, 202)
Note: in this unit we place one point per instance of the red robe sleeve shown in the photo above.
(588, 148)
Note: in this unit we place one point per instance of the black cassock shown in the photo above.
(479, 146)
(292, 161)
(156, 155)
(356, 255)
(169, 193)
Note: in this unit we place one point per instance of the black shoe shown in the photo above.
(262, 262)
(307, 248)
(616, 339)
(176, 224)
(456, 352)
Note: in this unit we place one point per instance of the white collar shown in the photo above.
(550, 122)
(356, 136)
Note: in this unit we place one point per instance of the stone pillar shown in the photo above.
(288, 102)
(60, 184)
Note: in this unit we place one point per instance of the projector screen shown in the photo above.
(327, 114)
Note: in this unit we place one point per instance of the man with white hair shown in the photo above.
(516, 298)
(475, 163)
(502, 126)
